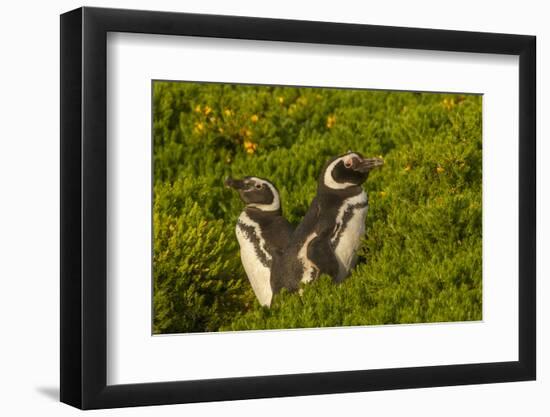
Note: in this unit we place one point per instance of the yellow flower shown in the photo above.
(207, 110)
(448, 103)
(212, 119)
(281, 99)
(228, 112)
(408, 167)
(198, 108)
(250, 147)
(383, 193)
(440, 170)
(199, 127)
(220, 129)
(331, 121)
(254, 118)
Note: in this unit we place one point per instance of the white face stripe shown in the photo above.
(275, 204)
(328, 179)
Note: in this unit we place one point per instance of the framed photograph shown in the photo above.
(257, 208)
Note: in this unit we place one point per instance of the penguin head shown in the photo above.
(256, 192)
(348, 170)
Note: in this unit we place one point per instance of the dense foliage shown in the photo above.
(421, 258)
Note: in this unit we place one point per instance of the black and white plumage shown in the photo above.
(327, 239)
(262, 232)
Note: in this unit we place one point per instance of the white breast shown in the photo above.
(258, 274)
(310, 270)
(350, 228)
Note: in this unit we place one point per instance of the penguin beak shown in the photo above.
(235, 184)
(366, 164)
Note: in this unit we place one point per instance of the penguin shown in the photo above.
(327, 239)
(262, 232)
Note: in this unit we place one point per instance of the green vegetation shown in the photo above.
(421, 258)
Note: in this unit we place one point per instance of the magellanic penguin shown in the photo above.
(263, 233)
(327, 239)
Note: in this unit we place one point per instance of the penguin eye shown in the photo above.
(259, 186)
(348, 163)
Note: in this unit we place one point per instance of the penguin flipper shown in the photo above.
(322, 255)
(285, 273)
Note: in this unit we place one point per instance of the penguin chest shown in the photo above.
(348, 232)
(255, 258)
(309, 269)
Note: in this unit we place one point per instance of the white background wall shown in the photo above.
(29, 209)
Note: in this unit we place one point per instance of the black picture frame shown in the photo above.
(84, 207)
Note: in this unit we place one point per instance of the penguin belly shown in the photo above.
(310, 271)
(349, 230)
(255, 258)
